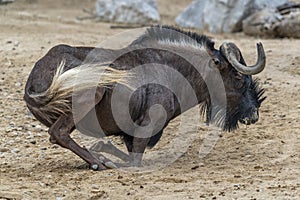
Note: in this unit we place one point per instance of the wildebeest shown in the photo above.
(65, 70)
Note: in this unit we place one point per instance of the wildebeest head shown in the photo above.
(243, 94)
(233, 96)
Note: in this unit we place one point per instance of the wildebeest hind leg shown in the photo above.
(60, 132)
(110, 149)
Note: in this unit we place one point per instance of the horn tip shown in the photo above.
(259, 44)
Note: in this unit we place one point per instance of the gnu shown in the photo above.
(62, 94)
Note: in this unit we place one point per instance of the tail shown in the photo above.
(56, 100)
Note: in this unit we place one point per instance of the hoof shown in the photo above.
(98, 167)
(110, 165)
(95, 167)
(52, 140)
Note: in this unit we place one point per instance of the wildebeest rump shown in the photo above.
(65, 70)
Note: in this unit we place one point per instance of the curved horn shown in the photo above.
(232, 54)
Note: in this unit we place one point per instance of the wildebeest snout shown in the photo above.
(252, 118)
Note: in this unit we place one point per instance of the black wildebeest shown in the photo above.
(65, 78)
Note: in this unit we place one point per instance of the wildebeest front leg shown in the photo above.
(138, 148)
(152, 123)
(60, 133)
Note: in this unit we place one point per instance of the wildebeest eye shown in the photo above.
(216, 61)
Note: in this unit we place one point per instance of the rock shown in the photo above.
(38, 127)
(9, 129)
(18, 84)
(127, 11)
(16, 43)
(33, 141)
(219, 16)
(4, 149)
(192, 16)
(16, 150)
(290, 26)
(262, 23)
(228, 15)
(271, 23)
(195, 167)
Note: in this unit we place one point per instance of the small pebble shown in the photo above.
(4, 149)
(201, 164)
(16, 150)
(18, 84)
(7, 130)
(16, 43)
(39, 127)
(94, 167)
(96, 187)
(120, 177)
(195, 167)
(2, 170)
(33, 142)
(259, 190)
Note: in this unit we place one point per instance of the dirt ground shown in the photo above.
(260, 161)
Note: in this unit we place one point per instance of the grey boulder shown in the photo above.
(192, 16)
(220, 16)
(127, 11)
(271, 23)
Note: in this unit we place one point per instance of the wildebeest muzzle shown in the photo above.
(251, 118)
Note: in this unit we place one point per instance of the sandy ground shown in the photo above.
(255, 162)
